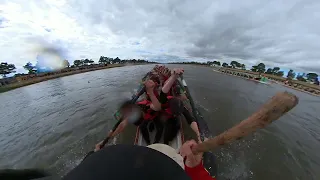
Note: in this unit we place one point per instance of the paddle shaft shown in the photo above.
(277, 106)
(208, 158)
(105, 141)
(192, 104)
(188, 95)
(133, 100)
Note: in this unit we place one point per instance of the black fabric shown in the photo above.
(159, 126)
(22, 174)
(127, 162)
(163, 99)
(143, 126)
(172, 128)
(144, 131)
(176, 106)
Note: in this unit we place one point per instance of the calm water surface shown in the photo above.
(53, 124)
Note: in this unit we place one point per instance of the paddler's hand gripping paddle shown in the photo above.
(277, 106)
(133, 100)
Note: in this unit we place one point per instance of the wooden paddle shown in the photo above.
(277, 106)
(135, 97)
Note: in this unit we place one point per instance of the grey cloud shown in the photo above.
(166, 58)
(274, 32)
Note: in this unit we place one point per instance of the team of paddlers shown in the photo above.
(162, 104)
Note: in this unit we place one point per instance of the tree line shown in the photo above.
(117, 60)
(7, 68)
(261, 68)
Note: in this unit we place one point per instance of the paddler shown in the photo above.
(141, 114)
(172, 108)
(146, 111)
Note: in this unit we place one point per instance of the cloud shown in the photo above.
(277, 33)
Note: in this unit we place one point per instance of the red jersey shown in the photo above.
(198, 173)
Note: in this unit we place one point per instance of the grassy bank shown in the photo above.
(54, 76)
(293, 84)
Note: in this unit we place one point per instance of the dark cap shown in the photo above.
(124, 162)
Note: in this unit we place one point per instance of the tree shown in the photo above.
(275, 70)
(225, 64)
(214, 62)
(91, 61)
(301, 78)
(101, 60)
(312, 76)
(30, 68)
(269, 71)
(110, 60)
(77, 63)
(65, 63)
(6, 68)
(279, 73)
(235, 64)
(105, 60)
(291, 74)
(116, 60)
(243, 66)
(86, 61)
(261, 68)
(254, 68)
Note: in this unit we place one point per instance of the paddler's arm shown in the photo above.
(150, 85)
(191, 121)
(174, 76)
(193, 163)
(112, 134)
(119, 129)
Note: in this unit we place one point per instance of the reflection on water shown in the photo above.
(53, 124)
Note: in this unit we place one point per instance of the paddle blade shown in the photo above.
(279, 104)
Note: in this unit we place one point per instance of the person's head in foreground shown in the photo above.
(123, 162)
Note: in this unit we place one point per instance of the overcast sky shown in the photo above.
(282, 33)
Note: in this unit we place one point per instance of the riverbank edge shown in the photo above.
(297, 89)
(59, 75)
